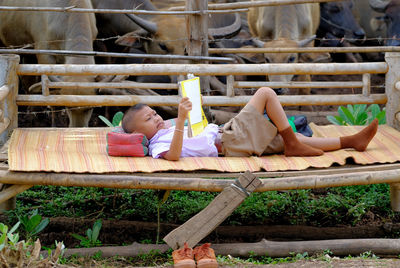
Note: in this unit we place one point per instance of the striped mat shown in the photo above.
(83, 150)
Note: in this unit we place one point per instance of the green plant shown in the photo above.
(91, 239)
(117, 118)
(8, 237)
(33, 224)
(358, 114)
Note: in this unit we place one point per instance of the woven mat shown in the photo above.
(83, 150)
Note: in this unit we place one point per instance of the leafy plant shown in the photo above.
(33, 224)
(8, 237)
(358, 114)
(91, 239)
(117, 118)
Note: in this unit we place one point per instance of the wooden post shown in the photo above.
(395, 196)
(392, 112)
(8, 76)
(200, 225)
(197, 45)
(393, 95)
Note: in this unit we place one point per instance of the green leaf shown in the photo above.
(374, 110)
(334, 120)
(79, 237)
(89, 234)
(3, 238)
(106, 121)
(360, 115)
(15, 227)
(350, 108)
(117, 118)
(41, 226)
(33, 222)
(361, 119)
(3, 228)
(381, 117)
(346, 115)
(96, 230)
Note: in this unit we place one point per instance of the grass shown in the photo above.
(334, 206)
(329, 207)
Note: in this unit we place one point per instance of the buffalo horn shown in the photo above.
(227, 31)
(258, 42)
(149, 26)
(304, 42)
(379, 5)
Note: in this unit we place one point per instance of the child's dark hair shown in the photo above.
(128, 117)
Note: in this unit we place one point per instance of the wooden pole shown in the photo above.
(11, 191)
(393, 95)
(304, 50)
(247, 4)
(9, 78)
(274, 249)
(339, 247)
(128, 100)
(197, 31)
(124, 181)
(203, 69)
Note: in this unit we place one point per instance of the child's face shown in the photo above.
(148, 122)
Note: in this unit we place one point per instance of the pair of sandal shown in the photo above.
(203, 255)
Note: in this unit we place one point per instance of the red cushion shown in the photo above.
(123, 144)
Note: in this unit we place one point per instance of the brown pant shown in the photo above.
(250, 133)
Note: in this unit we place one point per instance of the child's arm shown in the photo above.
(175, 148)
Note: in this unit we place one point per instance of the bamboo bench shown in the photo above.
(199, 181)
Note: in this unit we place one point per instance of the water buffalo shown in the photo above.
(338, 19)
(391, 18)
(53, 30)
(287, 26)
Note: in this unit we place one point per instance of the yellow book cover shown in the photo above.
(197, 119)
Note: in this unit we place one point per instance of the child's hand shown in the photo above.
(185, 105)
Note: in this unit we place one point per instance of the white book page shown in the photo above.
(192, 90)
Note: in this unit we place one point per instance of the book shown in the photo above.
(197, 119)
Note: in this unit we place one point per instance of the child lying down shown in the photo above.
(248, 133)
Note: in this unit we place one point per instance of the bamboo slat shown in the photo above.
(248, 4)
(73, 9)
(112, 85)
(304, 50)
(127, 181)
(112, 54)
(350, 84)
(237, 84)
(128, 100)
(203, 69)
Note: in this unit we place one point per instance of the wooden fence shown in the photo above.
(10, 70)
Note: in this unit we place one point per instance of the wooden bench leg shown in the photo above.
(7, 195)
(395, 196)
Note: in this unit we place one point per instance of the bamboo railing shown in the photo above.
(228, 70)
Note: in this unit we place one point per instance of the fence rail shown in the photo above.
(204, 69)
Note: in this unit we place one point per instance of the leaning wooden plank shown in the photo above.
(200, 225)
